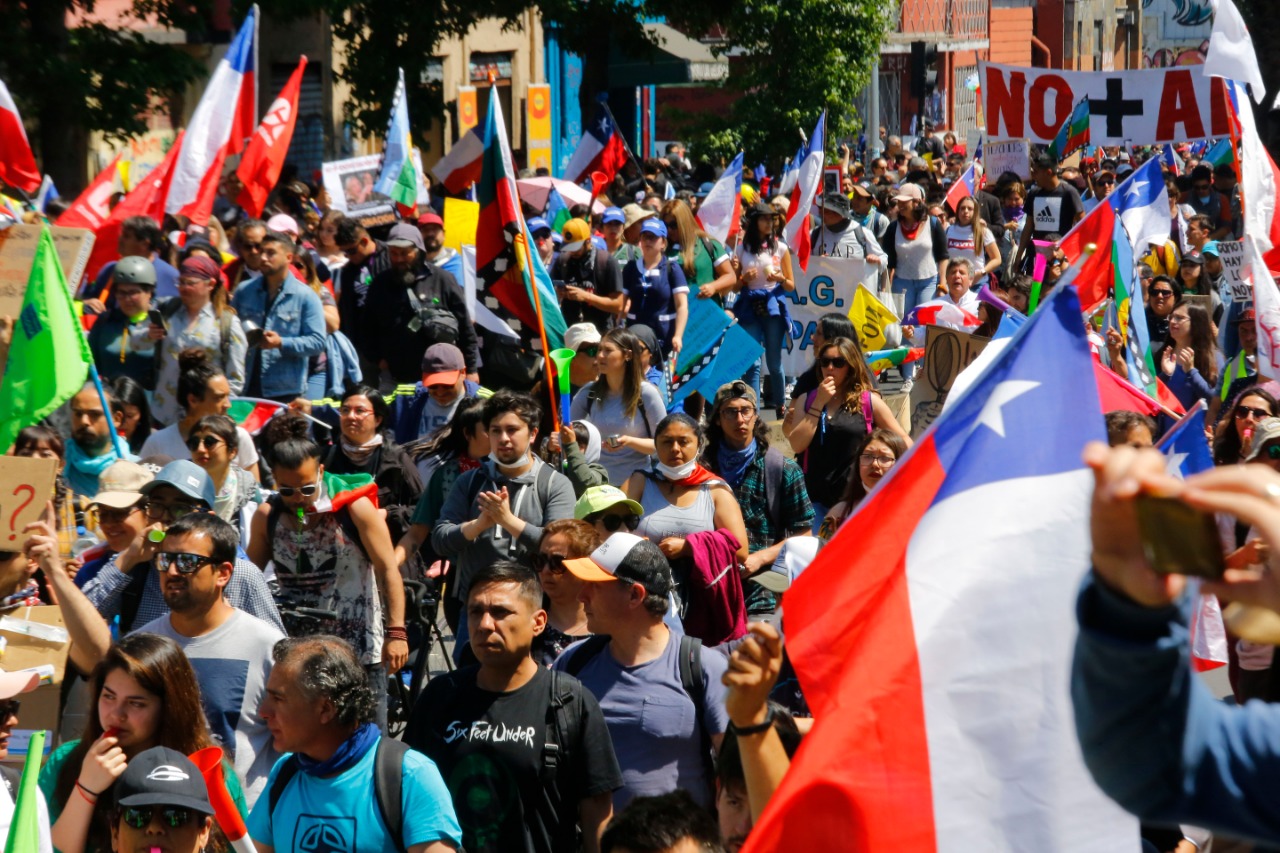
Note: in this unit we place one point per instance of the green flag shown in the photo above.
(24, 831)
(49, 357)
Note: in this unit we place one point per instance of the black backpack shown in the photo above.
(388, 769)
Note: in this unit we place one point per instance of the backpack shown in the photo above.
(388, 770)
(344, 518)
(774, 468)
(439, 322)
(173, 306)
(691, 679)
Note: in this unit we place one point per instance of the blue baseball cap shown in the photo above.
(1211, 248)
(614, 214)
(537, 224)
(654, 226)
(188, 478)
(704, 190)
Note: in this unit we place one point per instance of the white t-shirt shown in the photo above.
(168, 442)
(6, 818)
(960, 243)
(765, 262)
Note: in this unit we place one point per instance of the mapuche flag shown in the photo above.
(507, 270)
(1074, 133)
(263, 159)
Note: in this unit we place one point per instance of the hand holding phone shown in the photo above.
(1178, 539)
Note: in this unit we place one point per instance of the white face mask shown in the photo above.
(674, 474)
(493, 457)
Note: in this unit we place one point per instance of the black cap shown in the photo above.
(837, 202)
(647, 337)
(163, 777)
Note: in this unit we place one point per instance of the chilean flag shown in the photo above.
(263, 159)
(808, 185)
(935, 647)
(17, 163)
(601, 149)
(962, 188)
(225, 117)
(1259, 180)
(940, 312)
(721, 211)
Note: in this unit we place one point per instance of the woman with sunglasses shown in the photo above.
(1233, 437)
(1190, 359)
(213, 447)
(828, 424)
(1163, 293)
(876, 455)
(203, 319)
(204, 390)
(565, 539)
(144, 694)
(366, 447)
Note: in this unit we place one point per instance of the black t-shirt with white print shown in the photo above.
(1053, 211)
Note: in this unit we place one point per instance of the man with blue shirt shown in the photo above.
(291, 318)
(339, 789)
(435, 252)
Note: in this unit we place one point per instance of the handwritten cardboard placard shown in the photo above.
(946, 353)
(1007, 155)
(18, 252)
(1232, 254)
(41, 707)
(25, 485)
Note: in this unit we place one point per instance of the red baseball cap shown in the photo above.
(430, 219)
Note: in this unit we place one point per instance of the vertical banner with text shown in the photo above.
(538, 125)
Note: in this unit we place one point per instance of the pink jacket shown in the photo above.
(717, 611)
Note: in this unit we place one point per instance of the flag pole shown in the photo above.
(106, 410)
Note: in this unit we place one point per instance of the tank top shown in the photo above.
(829, 456)
(320, 567)
(662, 518)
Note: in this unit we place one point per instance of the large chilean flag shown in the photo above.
(601, 149)
(225, 117)
(17, 163)
(933, 635)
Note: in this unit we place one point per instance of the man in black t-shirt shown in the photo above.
(588, 279)
(1052, 206)
(525, 752)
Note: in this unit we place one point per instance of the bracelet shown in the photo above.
(758, 728)
(817, 413)
(90, 797)
(397, 634)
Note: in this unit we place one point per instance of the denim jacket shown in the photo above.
(297, 317)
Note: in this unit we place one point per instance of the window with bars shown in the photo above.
(964, 116)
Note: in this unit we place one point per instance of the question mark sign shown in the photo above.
(31, 495)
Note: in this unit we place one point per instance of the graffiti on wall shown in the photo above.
(1175, 32)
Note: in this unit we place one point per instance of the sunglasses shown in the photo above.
(158, 511)
(589, 350)
(9, 709)
(612, 522)
(208, 442)
(186, 563)
(251, 247)
(1248, 411)
(1160, 292)
(832, 362)
(139, 817)
(305, 491)
(553, 563)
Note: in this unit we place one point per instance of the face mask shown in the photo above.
(493, 457)
(676, 474)
(1204, 199)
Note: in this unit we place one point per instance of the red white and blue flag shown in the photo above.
(938, 668)
(940, 312)
(791, 173)
(601, 149)
(721, 211)
(225, 117)
(964, 186)
(808, 185)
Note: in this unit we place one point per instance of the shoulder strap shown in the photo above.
(645, 416)
(691, 679)
(131, 598)
(866, 412)
(273, 518)
(774, 465)
(601, 263)
(288, 770)
(553, 742)
(707, 247)
(583, 654)
(388, 773)
(224, 337)
(542, 483)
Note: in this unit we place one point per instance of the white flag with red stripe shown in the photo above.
(17, 163)
(796, 231)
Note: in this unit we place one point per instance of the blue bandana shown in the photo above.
(352, 750)
(733, 463)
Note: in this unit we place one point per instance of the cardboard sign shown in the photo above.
(1204, 300)
(25, 485)
(18, 252)
(39, 707)
(827, 286)
(1231, 252)
(1007, 155)
(946, 353)
(1143, 107)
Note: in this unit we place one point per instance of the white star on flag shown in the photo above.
(992, 413)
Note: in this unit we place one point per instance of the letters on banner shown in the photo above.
(1143, 107)
(827, 286)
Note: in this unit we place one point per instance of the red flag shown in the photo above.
(146, 199)
(92, 207)
(17, 163)
(264, 158)
(1096, 275)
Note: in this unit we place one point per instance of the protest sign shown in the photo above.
(460, 220)
(1231, 252)
(1007, 155)
(350, 187)
(1204, 300)
(946, 353)
(870, 318)
(38, 641)
(827, 286)
(26, 482)
(18, 251)
(1143, 107)
(707, 322)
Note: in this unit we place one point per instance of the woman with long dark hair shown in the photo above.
(621, 404)
(765, 276)
(1234, 434)
(136, 427)
(144, 694)
(213, 447)
(1190, 359)
(876, 454)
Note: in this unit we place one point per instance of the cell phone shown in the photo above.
(155, 318)
(613, 440)
(1178, 539)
